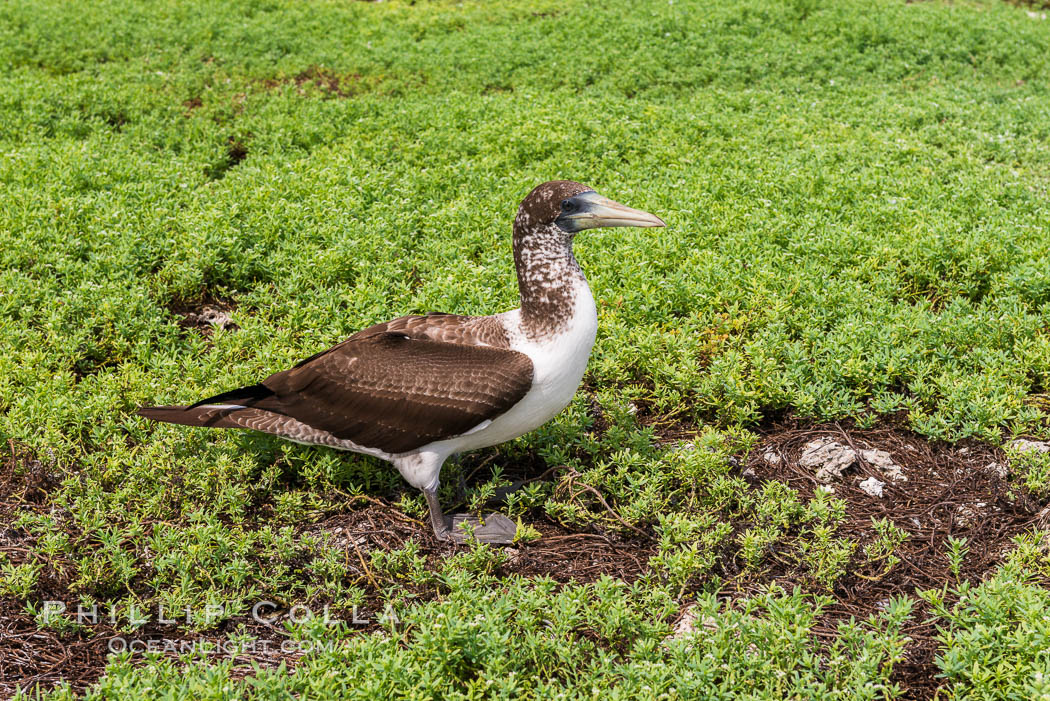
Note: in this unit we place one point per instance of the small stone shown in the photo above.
(829, 458)
(216, 317)
(883, 461)
(966, 516)
(1042, 520)
(872, 487)
(685, 626)
(771, 457)
(998, 469)
(688, 624)
(749, 473)
(1023, 445)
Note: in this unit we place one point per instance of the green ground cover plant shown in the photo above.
(995, 645)
(857, 204)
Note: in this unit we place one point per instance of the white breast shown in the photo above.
(558, 364)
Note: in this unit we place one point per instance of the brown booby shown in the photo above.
(415, 390)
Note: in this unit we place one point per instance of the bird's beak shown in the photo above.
(591, 211)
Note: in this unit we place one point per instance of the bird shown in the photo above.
(418, 389)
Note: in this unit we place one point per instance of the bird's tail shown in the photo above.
(213, 412)
(213, 416)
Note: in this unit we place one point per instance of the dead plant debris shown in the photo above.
(26, 482)
(326, 80)
(949, 491)
(205, 315)
(38, 658)
(194, 103)
(563, 555)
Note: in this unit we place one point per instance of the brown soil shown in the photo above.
(324, 79)
(34, 657)
(26, 481)
(950, 491)
(560, 554)
(40, 658)
(29, 654)
(1035, 4)
(194, 103)
(205, 315)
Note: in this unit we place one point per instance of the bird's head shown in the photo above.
(573, 207)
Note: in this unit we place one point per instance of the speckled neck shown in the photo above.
(547, 277)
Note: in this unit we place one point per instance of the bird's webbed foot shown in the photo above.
(496, 529)
(491, 528)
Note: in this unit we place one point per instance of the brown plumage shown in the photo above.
(393, 387)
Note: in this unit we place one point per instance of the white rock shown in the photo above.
(689, 624)
(966, 516)
(829, 457)
(771, 457)
(998, 469)
(872, 487)
(1042, 520)
(1023, 445)
(884, 462)
(216, 317)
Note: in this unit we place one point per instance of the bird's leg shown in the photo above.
(493, 528)
(438, 522)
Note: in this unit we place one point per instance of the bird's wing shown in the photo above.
(394, 392)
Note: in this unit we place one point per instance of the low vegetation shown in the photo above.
(196, 195)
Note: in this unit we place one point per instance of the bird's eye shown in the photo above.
(568, 206)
